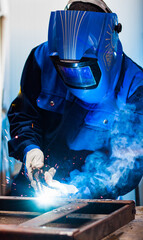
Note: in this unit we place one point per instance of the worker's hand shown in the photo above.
(61, 188)
(34, 160)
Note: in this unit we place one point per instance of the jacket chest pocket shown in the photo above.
(51, 102)
(101, 118)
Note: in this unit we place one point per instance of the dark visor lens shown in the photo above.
(83, 74)
(77, 77)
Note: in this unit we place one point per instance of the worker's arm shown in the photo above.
(115, 175)
(111, 175)
(28, 127)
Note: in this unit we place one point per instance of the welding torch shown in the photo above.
(39, 177)
(54, 187)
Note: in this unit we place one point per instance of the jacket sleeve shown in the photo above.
(23, 114)
(115, 175)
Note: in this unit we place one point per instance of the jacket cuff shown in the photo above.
(28, 148)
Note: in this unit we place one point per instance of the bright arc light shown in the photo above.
(48, 196)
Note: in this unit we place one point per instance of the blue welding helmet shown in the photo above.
(86, 51)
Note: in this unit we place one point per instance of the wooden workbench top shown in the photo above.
(131, 231)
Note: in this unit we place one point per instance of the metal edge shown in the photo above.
(104, 227)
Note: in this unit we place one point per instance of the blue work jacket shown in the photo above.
(46, 115)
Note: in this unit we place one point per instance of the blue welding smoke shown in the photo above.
(105, 176)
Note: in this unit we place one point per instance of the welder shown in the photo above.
(80, 108)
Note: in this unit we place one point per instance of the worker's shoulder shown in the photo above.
(135, 73)
(41, 53)
(39, 49)
(43, 45)
(132, 66)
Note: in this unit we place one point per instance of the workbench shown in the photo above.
(131, 231)
(22, 218)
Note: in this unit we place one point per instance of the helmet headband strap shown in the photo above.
(99, 3)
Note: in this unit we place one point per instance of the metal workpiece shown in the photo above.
(22, 218)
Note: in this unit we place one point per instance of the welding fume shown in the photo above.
(77, 122)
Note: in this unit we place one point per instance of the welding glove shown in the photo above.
(62, 188)
(34, 160)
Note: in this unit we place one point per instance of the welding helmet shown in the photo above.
(86, 51)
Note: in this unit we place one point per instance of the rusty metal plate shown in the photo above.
(21, 218)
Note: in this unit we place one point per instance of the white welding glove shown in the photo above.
(34, 160)
(63, 189)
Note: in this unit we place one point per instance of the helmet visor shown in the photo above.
(82, 75)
